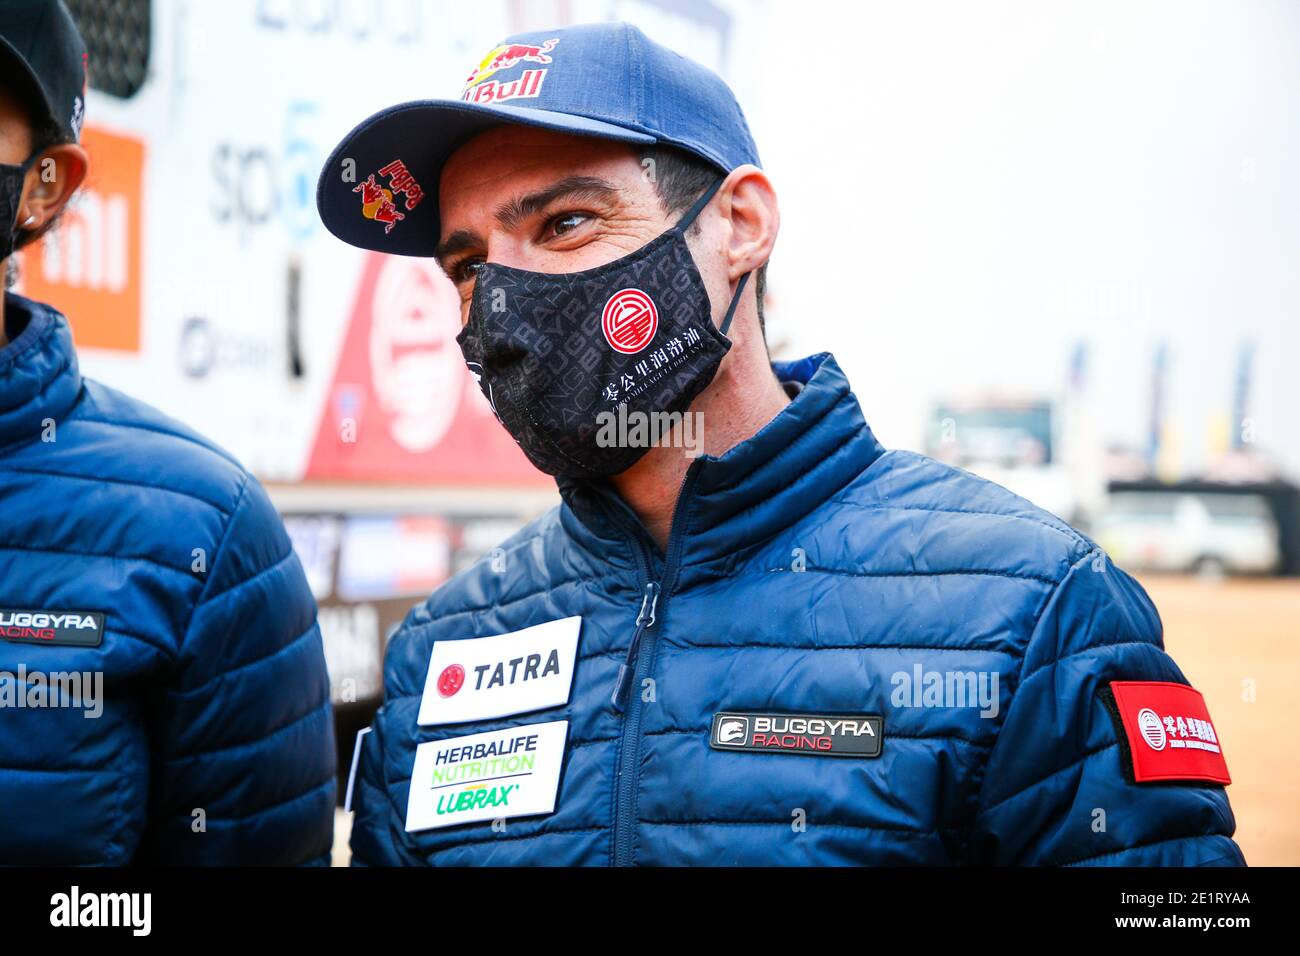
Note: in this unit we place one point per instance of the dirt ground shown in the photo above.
(1238, 642)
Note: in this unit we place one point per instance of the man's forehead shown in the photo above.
(509, 139)
(508, 157)
(507, 165)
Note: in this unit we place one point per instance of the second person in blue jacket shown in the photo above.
(163, 693)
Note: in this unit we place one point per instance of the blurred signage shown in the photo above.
(367, 572)
(402, 406)
(388, 557)
(195, 271)
(316, 539)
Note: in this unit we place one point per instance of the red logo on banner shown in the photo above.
(1170, 734)
(629, 321)
(402, 406)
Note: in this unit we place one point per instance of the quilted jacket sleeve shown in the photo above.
(243, 732)
(1054, 791)
(372, 837)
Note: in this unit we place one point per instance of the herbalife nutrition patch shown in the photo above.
(512, 673)
(505, 773)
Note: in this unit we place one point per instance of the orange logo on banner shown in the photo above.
(402, 405)
(88, 267)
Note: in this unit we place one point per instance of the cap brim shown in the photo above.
(421, 135)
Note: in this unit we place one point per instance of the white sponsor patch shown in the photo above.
(498, 676)
(505, 773)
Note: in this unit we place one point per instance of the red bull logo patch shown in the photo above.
(479, 88)
(379, 200)
(507, 55)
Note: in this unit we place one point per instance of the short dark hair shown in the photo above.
(46, 133)
(680, 178)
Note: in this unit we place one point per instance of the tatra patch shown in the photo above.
(813, 735)
(505, 773)
(76, 628)
(512, 673)
(1165, 733)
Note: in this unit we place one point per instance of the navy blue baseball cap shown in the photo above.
(379, 188)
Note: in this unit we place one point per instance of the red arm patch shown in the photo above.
(1168, 732)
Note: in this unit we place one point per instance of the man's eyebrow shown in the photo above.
(510, 213)
(458, 241)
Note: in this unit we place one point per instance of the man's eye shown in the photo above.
(565, 223)
(466, 269)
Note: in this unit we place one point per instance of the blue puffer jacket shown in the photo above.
(807, 569)
(213, 741)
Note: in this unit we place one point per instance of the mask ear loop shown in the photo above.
(684, 223)
(735, 301)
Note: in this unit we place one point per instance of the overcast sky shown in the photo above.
(970, 188)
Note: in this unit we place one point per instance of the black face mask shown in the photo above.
(554, 351)
(11, 194)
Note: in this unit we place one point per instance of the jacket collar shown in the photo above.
(39, 377)
(802, 458)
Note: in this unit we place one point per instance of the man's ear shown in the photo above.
(750, 208)
(51, 181)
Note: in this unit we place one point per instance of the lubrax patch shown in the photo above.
(76, 628)
(812, 735)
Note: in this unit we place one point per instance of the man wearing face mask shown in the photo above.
(797, 648)
(163, 693)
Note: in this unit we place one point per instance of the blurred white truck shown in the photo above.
(1213, 534)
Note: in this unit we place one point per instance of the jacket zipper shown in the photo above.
(627, 670)
(636, 665)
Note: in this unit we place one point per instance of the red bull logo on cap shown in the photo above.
(480, 89)
(378, 200)
(507, 55)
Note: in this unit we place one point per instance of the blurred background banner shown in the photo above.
(1052, 243)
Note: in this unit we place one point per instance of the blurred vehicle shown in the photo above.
(1213, 534)
(1020, 443)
